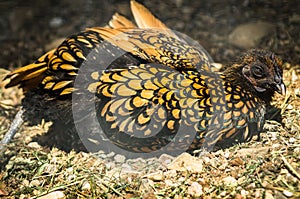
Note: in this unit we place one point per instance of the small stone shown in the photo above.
(53, 195)
(206, 159)
(85, 155)
(36, 192)
(230, 181)
(186, 162)
(195, 189)
(170, 174)
(23, 196)
(34, 145)
(227, 154)
(292, 140)
(169, 183)
(25, 183)
(102, 155)
(35, 183)
(258, 151)
(111, 154)
(181, 179)
(217, 65)
(119, 158)
(56, 22)
(297, 150)
(223, 193)
(287, 193)
(249, 35)
(71, 177)
(127, 168)
(157, 176)
(110, 165)
(166, 159)
(273, 135)
(70, 170)
(86, 186)
(244, 193)
(289, 107)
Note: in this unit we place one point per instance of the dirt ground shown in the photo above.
(269, 168)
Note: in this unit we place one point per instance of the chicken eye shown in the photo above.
(258, 72)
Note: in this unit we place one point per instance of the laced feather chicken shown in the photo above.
(159, 86)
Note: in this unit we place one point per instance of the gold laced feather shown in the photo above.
(119, 21)
(145, 19)
(154, 46)
(30, 75)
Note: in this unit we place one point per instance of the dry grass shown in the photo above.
(269, 168)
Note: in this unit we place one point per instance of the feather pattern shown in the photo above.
(159, 85)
